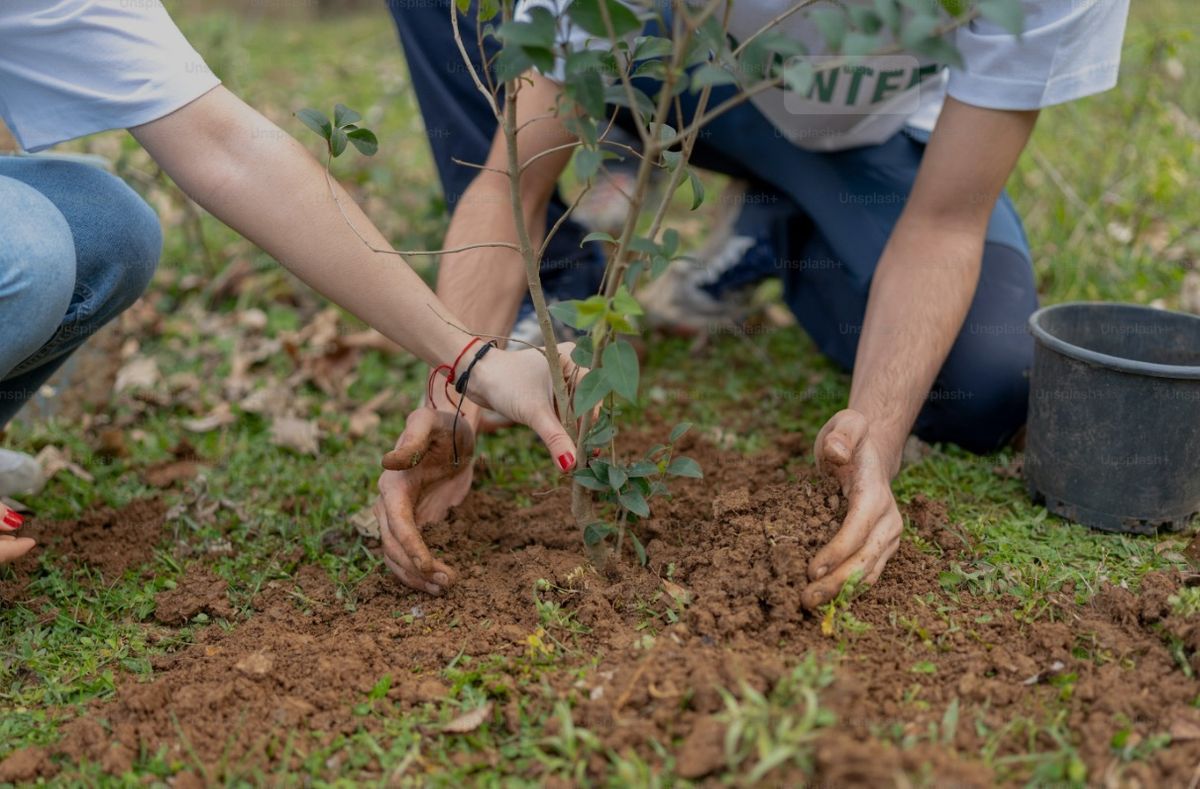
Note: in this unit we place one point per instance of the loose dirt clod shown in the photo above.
(720, 596)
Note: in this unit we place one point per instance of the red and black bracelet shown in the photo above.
(460, 384)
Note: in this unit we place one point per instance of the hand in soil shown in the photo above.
(870, 534)
(420, 486)
(11, 546)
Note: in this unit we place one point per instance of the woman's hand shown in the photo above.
(11, 546)
(516, 384)
(420, 486)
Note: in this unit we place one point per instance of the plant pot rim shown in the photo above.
(1132, 366)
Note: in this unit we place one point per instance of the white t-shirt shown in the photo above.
(74, 67)
(1069, 49)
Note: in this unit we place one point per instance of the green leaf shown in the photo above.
(651, 47)
(316, 120)
(889, 13)
(343, 115)
(917, 30)
(536, 32)
(595, 532)
(587, 163)
(620, 364)
(953, 7)
(337, 143)
(587, 14)
(798, 75)
(625, 304)
(642, 468)
(1008, 14)
(678, 431)
(711, 74)
(511, 63)
(617, 477)
(859, 44)
(635, 502)
(865, 19)
(582, 353)
(587, 479)
(364, 140)
(697, 189)
(831, 22)
(640, 550)
(587, 89)
(670, 242)
(591, 390)
(685, 467)
(597, 235)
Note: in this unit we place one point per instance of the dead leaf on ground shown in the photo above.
(294, 433)
(219, 417)
(53, 460)
(140, 372)
(365, 418)
(164, 475)
(469, 721)
(365, 523)
(274, 399)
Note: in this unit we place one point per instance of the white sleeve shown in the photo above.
(74, 67)
(1069, 49)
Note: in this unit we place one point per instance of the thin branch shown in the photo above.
(798, 6)
(482, 167)
(462, 50)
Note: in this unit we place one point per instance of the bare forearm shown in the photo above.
(254, 177)
(927, 275)
(919, 298)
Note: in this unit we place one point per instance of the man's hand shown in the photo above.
(871, 532)
(420, 486)
(11, 546)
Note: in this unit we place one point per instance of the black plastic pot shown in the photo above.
(1113, 437)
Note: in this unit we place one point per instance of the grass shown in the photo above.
(1109, 194)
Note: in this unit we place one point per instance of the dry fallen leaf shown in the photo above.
(365, 418)
(365, 523)
(53, 460)
(140, 372)
(220, 416)
(469, 721)
(1189, 293)
(298, 435)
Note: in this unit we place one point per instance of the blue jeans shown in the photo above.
(77, 246)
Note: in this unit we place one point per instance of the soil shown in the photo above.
(108, 541)
(720, 590)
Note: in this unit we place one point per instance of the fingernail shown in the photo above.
(566, 461)
(820, 573)
(433, 589)
(440, 578)
(13, 520)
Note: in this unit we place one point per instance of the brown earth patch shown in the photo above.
(720, 595)
(106, 540)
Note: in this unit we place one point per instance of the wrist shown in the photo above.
(887, 440)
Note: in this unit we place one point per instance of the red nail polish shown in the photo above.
(565, 461)
(13, 520)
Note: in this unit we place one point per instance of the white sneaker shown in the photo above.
(20, 474)
(677, 299)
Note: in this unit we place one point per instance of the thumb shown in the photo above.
(548, 428)
(839, 440)
(413, 442)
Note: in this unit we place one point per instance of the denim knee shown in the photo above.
(118, 240)
(37, 271)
